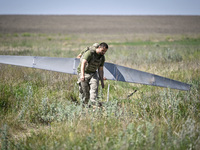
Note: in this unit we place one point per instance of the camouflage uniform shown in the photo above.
(89, 88)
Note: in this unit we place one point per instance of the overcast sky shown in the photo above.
(102, 7)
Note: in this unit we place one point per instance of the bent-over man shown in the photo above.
(91, 60)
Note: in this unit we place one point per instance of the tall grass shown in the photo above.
(41, 110)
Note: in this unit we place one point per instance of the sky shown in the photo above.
(103, 7)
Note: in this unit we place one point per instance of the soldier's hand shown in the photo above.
(82, 78)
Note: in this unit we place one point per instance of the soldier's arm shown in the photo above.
(101, 72)
(78, 56)
(83, 64)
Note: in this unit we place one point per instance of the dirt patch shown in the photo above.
(72, 24)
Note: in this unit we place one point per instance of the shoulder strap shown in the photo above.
(92, 48)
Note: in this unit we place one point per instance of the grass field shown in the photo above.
(40, 109)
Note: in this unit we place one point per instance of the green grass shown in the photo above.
(168, 41)
(41, 110)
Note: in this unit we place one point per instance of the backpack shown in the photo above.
(94, 46)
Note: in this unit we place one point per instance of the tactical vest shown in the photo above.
(94, 63)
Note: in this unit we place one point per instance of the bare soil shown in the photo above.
(72, 24)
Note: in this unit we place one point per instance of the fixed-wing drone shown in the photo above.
(111, 71)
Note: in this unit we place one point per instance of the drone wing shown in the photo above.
(66, 65)
(121, 73)
(111, 71)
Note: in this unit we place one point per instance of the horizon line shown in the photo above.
(101, 14)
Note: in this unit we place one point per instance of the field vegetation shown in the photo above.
(41, 109)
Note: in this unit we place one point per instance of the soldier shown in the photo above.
(91, 60)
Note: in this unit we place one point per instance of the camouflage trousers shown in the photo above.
(88, 89)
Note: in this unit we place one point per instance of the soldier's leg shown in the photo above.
(85, 91)
(84, 88)
(80, 91)
(94, 83)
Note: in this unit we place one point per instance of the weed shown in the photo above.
(43, 111)
(26, 34)
(5, 144)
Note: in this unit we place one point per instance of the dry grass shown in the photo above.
(109, 25)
